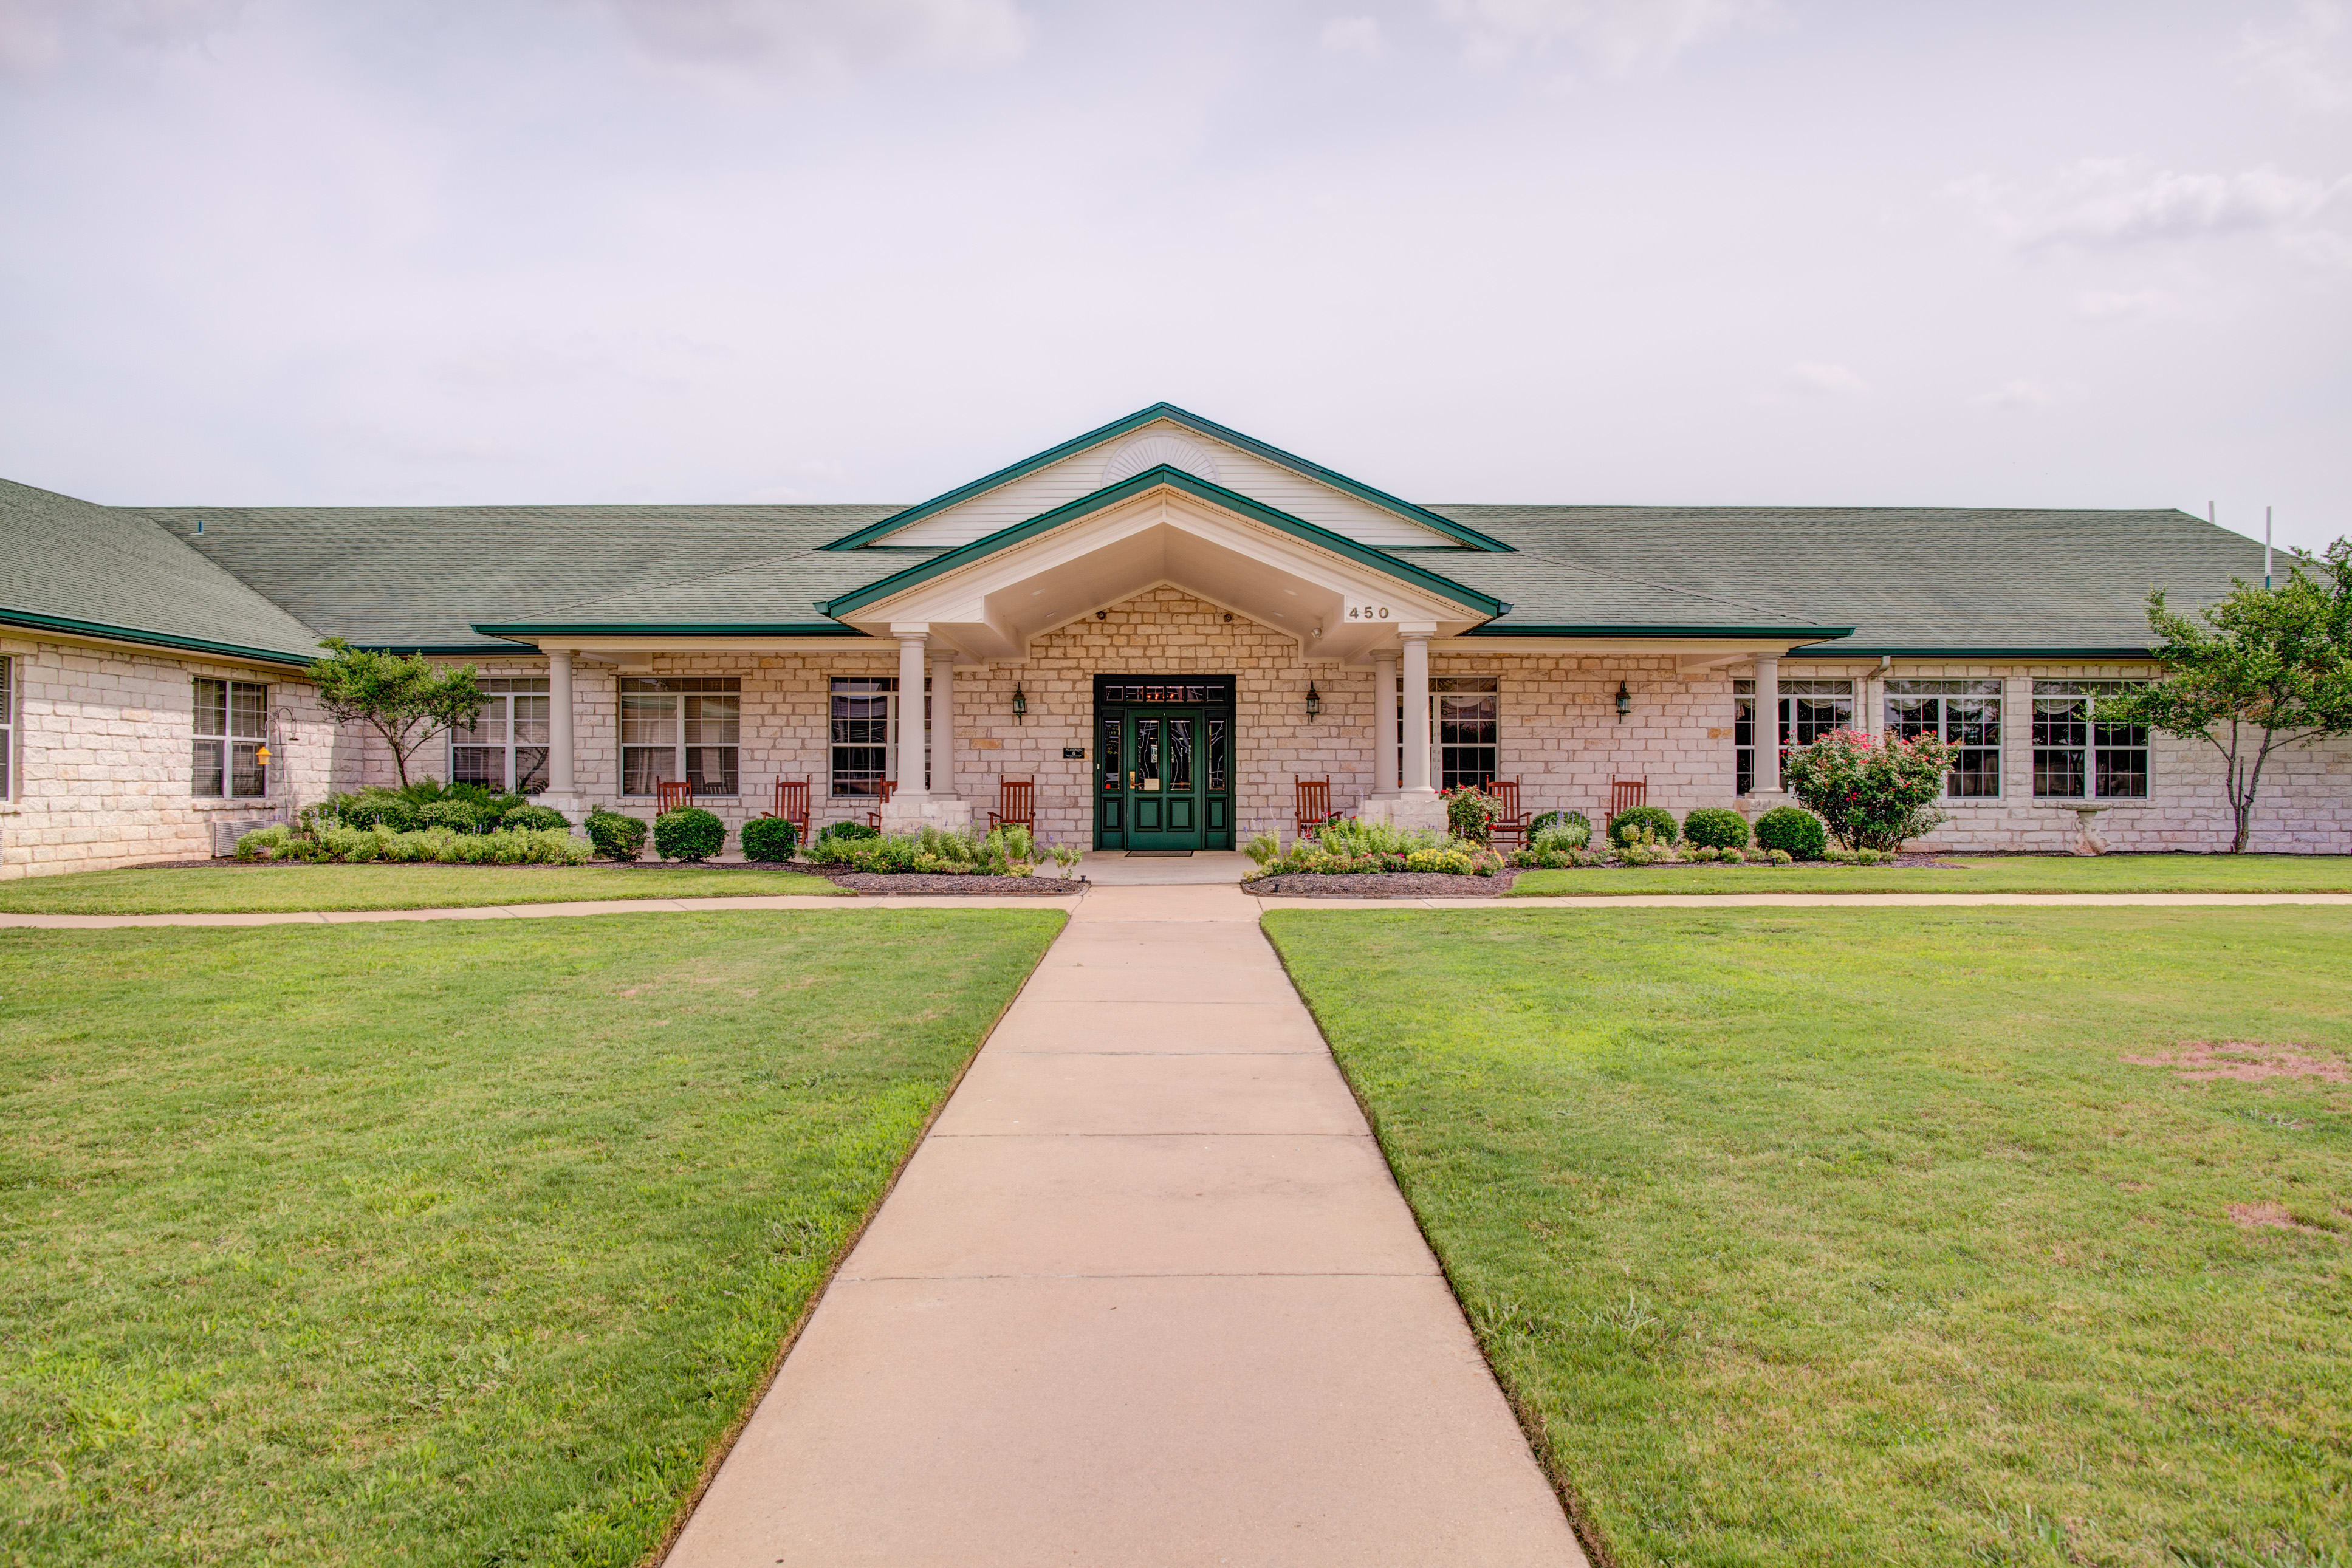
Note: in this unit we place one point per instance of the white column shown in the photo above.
(1767, 725)
(1384, 724)
(943, 779)
(558, 721)
(1417, 713)
(911, 664)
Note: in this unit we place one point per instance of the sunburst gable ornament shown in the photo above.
(1153, 448)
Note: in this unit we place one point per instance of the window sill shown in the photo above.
(232, 804)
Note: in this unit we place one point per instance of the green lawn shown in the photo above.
(436, 1245)
(1842, 1237)
(236, 890)
(1988, 873)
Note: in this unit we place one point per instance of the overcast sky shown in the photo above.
(1686, 251)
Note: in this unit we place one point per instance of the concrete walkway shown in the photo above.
(1146, 1295)
(539, 911)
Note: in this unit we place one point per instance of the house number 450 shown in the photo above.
(1369, 612)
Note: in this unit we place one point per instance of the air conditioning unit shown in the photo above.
(227, 831)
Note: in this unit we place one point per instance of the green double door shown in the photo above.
(1163, 769)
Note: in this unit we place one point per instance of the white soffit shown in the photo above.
(993, 607)
(1164, 441)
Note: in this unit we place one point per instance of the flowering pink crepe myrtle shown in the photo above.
(1872, 792)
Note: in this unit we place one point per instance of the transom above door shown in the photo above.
(1163, 762)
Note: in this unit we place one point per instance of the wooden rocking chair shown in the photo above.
(1624, 794)
(1016, 804)
(1314, 803)
(675, 794)
(874, 817)
(792, 806)
(1510, 819)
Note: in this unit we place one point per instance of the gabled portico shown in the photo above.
(1336, 600)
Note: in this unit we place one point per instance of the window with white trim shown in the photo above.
(232, 726)
(7, 728)
(1464, 723)
(2077, 759)
(505, 748)
(1810, 709)
(1966, 715)
(865, 739)
(677, 727)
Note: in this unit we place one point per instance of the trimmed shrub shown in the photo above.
(832, 830)
(269, 843)
(768, 839)
(529, 819)
(616, 837)
(456, 814)
(689, 833)
(1716, 828)
(1643, 824)
(1791, 830)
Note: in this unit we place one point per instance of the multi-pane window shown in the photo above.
(1966, 715)
(1463, 722)
(2075, 758)
(1809, 710)
(864, 725)
(506, 746)
(7, 728)
(232, 724)
(677, 727)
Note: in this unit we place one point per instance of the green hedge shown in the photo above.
(1793, 829)
(1716, 828)
(689, 833)
(1628, 827)
(768, 839)
(616, 837)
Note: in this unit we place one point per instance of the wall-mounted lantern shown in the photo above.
(1020, 704)
(1624, 702)
(1314, 700)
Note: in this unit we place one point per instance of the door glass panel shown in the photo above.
(1146, 773)
(1216, 754)
(1180, 754)
(1110, 754)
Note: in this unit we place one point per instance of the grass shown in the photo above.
(436, 1245)
(1845, 1237)
(261, 889)
(1986, 874)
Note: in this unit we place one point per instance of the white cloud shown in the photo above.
(2111, 203)
(31, 40)
(1623, 37)
(1354, 35)
(830, 37)
(2016, 395)
(2112, 304)
(1817, 379)
(2306, 61)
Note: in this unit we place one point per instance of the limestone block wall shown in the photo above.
(103, 750)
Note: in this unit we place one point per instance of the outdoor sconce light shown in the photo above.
(1020, 704)
(261, 754)
(1624, 702)
(1314, 700)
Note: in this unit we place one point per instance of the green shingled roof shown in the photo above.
(1908, 579)
(69, 566)
(270, 580)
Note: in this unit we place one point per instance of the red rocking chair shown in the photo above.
(1624, 794)
(1510, 819)
(1016, 804)
(1314, 803)
(874, 817)
(792, 806)
(675, 794)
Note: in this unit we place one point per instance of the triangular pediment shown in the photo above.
(1165, 525)
(1165, 436)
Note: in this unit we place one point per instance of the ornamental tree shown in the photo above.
(2264, 669)
(1872, 793)
(405, 700)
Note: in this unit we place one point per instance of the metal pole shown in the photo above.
(2266, 549)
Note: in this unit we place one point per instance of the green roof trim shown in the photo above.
(1987, 653)
(151, 638)
(1514, 629)
(673, 629)
(1192, 485)
(1193, 421)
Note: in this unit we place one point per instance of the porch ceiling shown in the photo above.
(992, 607)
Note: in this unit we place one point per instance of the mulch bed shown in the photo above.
(925, 885)
(1383, 884)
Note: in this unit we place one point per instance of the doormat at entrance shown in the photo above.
(1158, 854)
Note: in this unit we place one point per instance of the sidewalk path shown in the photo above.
(537, 911)
(1811, 901)
(1146, 1295)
